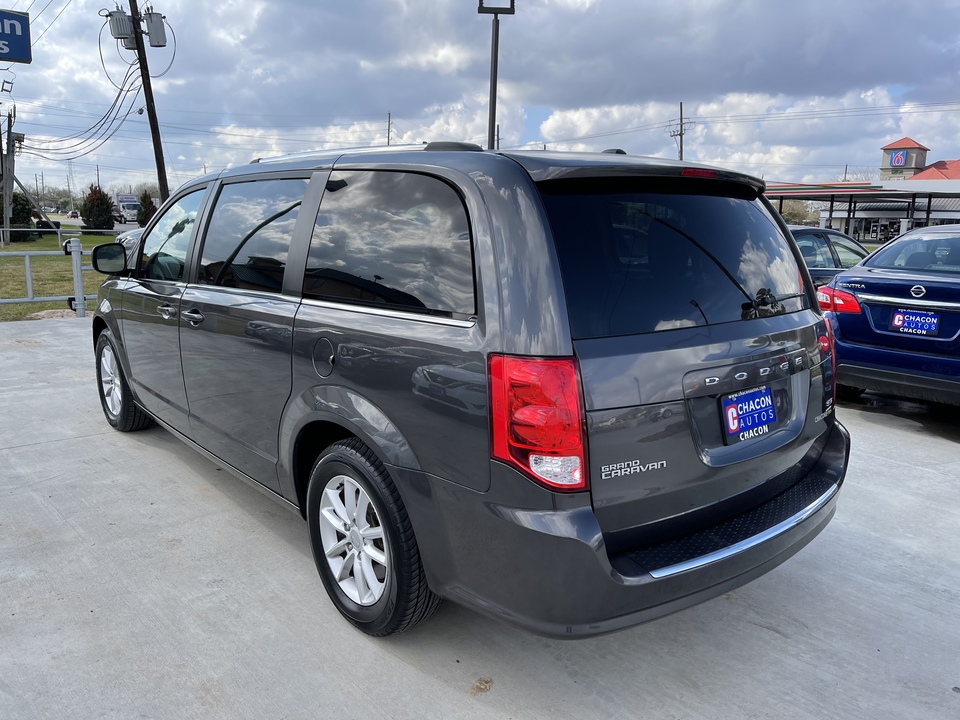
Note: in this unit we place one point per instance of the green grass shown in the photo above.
(51, 275)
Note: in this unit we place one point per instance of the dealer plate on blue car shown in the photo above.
(915, 322)
(748, 414)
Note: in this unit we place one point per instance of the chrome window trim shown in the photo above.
(398, 314)
(908, 302)
(245, 292)
(768, 534)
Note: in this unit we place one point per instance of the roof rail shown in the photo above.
(335, 152)
(614, 151)
(446, 145)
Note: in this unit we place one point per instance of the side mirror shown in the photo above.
(110, 259)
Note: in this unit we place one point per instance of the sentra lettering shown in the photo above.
(630, 467)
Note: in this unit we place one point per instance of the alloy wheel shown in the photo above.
(353, 539)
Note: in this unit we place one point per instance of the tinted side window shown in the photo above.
(392, 239)
(165, 248)
(641, 256)
(249, 233)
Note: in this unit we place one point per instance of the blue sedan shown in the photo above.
(896, 318)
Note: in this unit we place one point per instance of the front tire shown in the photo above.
(115, 397)
(363, 543)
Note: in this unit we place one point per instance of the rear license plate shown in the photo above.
(748, 414)
(915, 322)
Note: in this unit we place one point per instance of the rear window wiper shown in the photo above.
(765, 299)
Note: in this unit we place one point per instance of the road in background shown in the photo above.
(137, 580)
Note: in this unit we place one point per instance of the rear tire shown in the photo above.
(848, 393)
(115, 397)
(363, 543)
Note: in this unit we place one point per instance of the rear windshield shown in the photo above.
(936, 252)
(652, 255)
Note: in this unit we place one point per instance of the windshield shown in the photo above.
(636, 261)
(933, 252)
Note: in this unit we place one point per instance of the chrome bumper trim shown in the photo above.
(768, 534)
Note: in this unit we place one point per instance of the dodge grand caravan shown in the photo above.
(572, 391)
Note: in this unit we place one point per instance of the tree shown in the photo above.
(96, 210)
(148, 187)
(859, 174)
(147, 208)
(798, 212)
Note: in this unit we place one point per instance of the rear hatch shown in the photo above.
(700, 355)
(908, 296)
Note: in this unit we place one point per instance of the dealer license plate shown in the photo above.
(748, 414)
(915, 322)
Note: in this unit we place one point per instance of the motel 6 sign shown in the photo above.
(15, 37)
(898, 158)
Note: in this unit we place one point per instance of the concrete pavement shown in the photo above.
(138, 581)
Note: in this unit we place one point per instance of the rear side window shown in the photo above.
(249, 233)
(933, 251)
(394, 239)
(848, 253)
(814, 249)
(641, 256)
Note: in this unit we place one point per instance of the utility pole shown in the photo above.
(389, 127)
(680, 130)
(148, 99)
(8, 170)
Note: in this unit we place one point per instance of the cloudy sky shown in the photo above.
(787, 90)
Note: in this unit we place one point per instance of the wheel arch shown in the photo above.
(321, 416)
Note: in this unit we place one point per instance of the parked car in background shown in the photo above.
(896, 318)
(130, 240)
(73, 214)
(572, 391)
(826, 251)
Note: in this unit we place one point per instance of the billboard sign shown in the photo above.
(15, 37)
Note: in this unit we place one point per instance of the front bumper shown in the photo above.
(548, 570)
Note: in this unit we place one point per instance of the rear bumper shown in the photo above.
(548, 571)
(897, 372)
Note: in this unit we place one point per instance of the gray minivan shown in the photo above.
(572, 391)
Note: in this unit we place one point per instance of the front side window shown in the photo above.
(392, 239)
(165, 247)
(249, 234)
(648, 255)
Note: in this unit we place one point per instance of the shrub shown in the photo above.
(96, 210)
(147, 208)
(21, 218)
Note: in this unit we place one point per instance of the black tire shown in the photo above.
(848, 393)
(405, 599)
(115, 397)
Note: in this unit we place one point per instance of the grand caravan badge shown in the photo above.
(630, 467)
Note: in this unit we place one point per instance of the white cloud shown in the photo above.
(256, 78)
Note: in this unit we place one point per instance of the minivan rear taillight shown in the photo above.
(537, 419)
